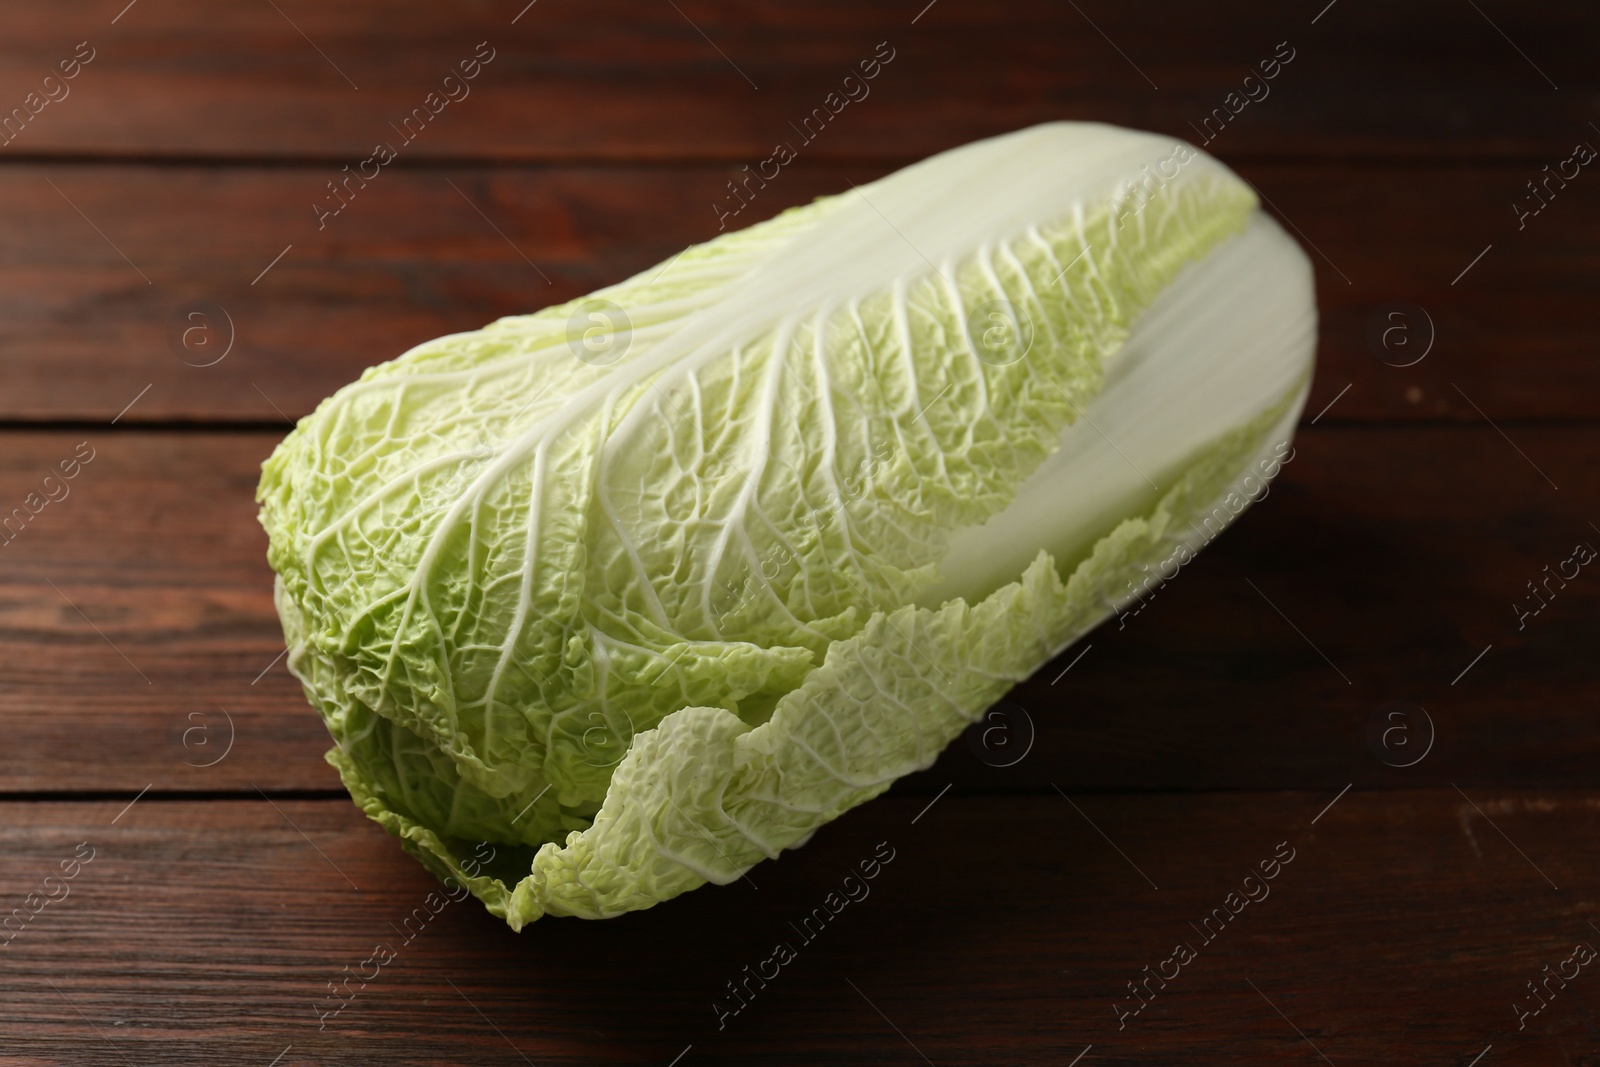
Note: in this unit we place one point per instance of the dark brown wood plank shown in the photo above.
(137, 618)
(1001, 931)
(640, 80)
(1398, 551)
(85, 331)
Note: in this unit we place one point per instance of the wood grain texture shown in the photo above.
(1397, 553)
(646, 81)
(88, 319)
(1223, 722)
(1001, 931)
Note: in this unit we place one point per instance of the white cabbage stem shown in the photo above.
(1229, 337)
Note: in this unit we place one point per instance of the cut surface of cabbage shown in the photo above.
(640, 589)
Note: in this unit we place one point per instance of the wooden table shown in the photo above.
(1259, 711)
